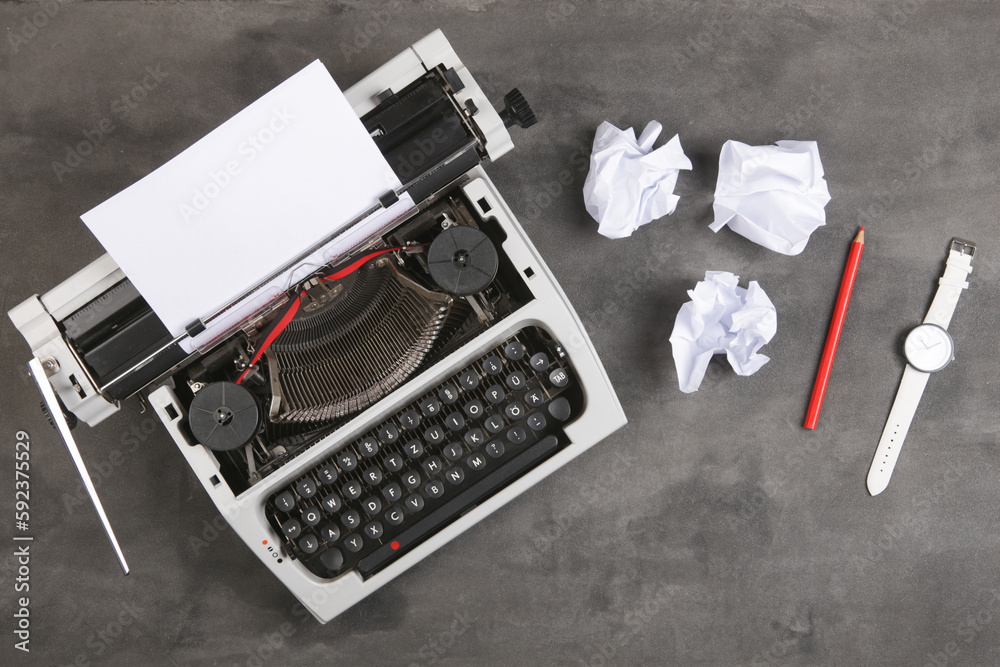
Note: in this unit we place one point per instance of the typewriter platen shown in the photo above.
(398, 396)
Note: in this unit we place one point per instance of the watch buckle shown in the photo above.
(963, 247)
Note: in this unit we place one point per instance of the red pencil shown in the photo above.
(833, 337)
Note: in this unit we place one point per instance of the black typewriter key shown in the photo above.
(455, 421)
(476, 461)
(373, 475)
(330, 533)
(513, 350)
(434, 435)
(388, 433)
(410, 419)
(539, 361)
(559, 378)
(392, 492)
(516, 381)
(327, 474)
(332, 559)
(434, 489)
(347, 461)
(331, 503)
(291, 528)
(495, 449)
(393, 462)
(448, 394)
(474, 409)
(414, 448)
(352, 490)
(372, 506)
(309, 544)
(455, 475)
(394, 515)
(374, 530)
(285, 501)
(474, 437)
(495, 394)
(516, 436)
(354, 543)
(430, 406)
(414, 502)
(560, 409)
(536, 421)
(492, 365)
(514, 411)
(452, 452)
(432, 466)
(311, 516)
(351, 519)
(411, 479)
(368, 447)
(306, 488)
(495, 424)
(469, 380)
(534, 398)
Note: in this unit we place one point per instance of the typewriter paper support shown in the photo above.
(422, 388)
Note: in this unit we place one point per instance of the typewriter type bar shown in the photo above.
(395, 397)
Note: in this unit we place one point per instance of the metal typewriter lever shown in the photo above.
(59, 420)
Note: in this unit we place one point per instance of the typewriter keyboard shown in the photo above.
(433, 460)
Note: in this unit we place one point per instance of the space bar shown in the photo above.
(442, 515)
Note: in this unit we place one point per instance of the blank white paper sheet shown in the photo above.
(272, 181)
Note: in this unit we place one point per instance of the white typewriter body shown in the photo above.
(548, 308)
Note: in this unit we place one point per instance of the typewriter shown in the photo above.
(396, 397)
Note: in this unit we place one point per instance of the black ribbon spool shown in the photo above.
(224, 416)
(462, 260)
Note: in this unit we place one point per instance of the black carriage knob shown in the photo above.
(517, 110)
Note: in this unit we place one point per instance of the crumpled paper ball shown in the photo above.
(629, 183)
(722, 317)
(773, 195)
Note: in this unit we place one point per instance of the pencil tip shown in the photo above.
(860, 238)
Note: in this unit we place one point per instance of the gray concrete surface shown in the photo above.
(713, 530)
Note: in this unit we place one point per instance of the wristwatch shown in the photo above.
(928, 349)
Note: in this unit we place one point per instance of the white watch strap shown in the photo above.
(911, 388)
(950, 286)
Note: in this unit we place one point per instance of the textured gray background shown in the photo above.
(713, 529)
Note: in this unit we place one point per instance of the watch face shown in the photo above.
(929, 348)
